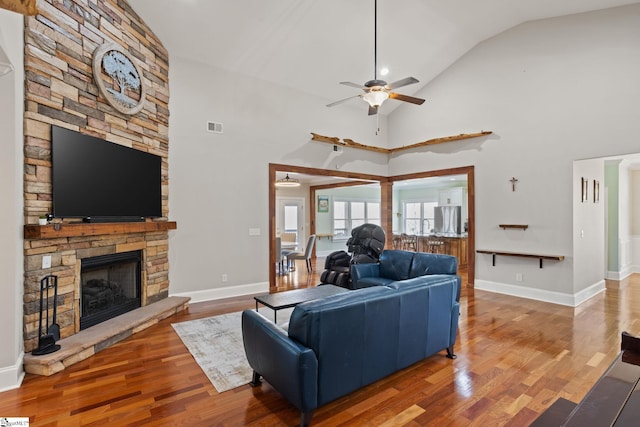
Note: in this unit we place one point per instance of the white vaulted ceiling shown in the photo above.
(312, 45)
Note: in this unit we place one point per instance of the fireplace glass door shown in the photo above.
(110, 286)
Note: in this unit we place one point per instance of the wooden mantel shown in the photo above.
(346, 142)
(57, 230)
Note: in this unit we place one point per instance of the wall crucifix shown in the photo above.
(513, 183)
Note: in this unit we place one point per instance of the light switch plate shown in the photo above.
(46, 261)
(254, 232)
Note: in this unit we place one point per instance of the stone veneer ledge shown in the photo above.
(90, 341)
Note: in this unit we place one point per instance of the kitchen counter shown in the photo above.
(447, 235)
(444, 243)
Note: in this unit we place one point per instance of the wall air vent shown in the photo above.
(214, 127)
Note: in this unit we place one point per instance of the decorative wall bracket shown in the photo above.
(520, 254)
(518, 226)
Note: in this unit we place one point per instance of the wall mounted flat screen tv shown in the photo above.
(101, 181)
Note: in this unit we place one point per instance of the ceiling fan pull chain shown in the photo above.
(375, 39)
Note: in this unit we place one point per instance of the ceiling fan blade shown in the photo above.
(343, 100)
(373, 110)
(404, 82)
(356, 85)
(406, 98)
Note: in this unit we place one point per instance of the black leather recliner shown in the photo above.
(366, 244)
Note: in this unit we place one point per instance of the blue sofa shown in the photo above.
(338, 344)
(396, 265)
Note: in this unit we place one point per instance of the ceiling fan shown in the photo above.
(377, 91)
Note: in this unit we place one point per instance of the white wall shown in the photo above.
(11, 268)
(552, 91)
(219, 183)
(635, 220)
(635, 201)
(589, 258)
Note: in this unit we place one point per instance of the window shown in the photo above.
(349, 214)
(291, 219)
(340, 219)
(419, 217)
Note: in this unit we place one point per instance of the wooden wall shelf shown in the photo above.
(520, 254)
(518, 226)
(54, 231)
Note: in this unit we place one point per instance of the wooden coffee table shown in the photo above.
(279, 300)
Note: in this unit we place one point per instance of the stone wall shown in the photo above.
(60, 90)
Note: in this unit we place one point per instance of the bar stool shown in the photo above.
(397, 242)
(409, 243)
(435, 246)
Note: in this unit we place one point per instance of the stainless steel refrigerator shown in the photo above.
(447, 219)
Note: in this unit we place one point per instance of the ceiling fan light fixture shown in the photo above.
(287, 182)
(377, 91)
(376, 96)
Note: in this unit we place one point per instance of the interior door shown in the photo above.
(290, 217)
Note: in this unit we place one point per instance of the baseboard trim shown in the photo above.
(540, 294)
(589, 292)
(11, 376)
(624, 273)
(226, 292)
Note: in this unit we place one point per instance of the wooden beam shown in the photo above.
(346, 142)
(329, 139)
(351, 143)
(25, 7)
(442, 140)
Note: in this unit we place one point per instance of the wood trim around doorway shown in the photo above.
(385, 202)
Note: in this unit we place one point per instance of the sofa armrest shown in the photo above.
(362, 271)
(288, 366)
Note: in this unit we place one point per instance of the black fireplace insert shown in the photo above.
(110, 285)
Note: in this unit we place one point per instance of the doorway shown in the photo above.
(386, 187)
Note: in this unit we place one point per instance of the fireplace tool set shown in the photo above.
(47, 339)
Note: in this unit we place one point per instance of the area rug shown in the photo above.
(216, 345)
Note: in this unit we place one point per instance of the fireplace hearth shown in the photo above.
(110, 285)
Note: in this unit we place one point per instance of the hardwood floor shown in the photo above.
(515, 357)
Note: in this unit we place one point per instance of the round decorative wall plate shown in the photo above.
(119, 78)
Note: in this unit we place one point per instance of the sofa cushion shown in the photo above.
(419, 281)
(395, 264)
(425, 263)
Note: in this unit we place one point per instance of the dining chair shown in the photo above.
(288, 237)
(290, 240)
(293, 256)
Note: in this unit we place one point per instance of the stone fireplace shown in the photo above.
(71, 246)
(60, 90)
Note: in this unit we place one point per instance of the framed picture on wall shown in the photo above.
(585, 189)
(323, 203)
(596, 191)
